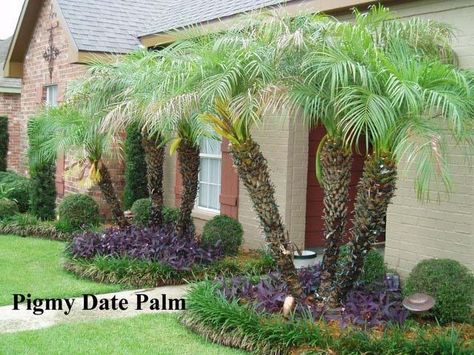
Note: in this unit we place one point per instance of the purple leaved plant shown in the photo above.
(364, 306)
(151, 244)
(374, 307)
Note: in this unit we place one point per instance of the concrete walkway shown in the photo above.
(23, 319)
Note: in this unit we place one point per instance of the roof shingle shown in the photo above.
(114, 26)
(108, 25)
(177, 14)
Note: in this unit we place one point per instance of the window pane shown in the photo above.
(210, 146)
(52, 95)
(215, 170)
(204, 170)
(214, 197)
(203, 195)
(209, 174)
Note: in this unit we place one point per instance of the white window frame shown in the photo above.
(49, 89)
(215, 157)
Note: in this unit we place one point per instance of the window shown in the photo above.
(209, 175)
(52, 95)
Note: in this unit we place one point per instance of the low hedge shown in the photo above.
(141, 210)
(18, 187)
(450, 283)
(241, 326)
(142, 274)
(78, 210)
(26, 225)
(8, 208)
(225, 229)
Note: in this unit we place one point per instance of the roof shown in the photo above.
(114, 26)
(110, 26)
(7, 83)
(177, 14)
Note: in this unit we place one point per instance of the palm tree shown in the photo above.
(156, 100)
(338, 57)
(66, 130)
(154, 157)
(189, 132)
(133, 74)
(396, 107)
(312, 86)
(238, 81)
(441, 92)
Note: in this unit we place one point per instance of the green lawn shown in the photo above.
(146, 334)
(33, 266)
(30, 265)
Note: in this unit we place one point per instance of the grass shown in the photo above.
(145, 274)
(240, 325)
(146, 334)
(33, 266)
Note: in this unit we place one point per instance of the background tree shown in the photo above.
(135, 167)
(3, 143)
(42, 175)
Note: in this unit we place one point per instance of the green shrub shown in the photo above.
(374, 268)
(42, 174)
(65, 227)
(18, 187)
(8, 208)
(141, 211)
(22, 220)
(3, 143)
(135, 167)
(449, 282)
(170, 214)
(43, 191)
(78, 210)
(226, 229)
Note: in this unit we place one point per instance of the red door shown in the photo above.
(314, 192)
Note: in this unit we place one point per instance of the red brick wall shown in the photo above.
(10, 107)
(35, 77)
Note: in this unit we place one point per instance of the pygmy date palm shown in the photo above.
(238, 81)
(132, 74)
(400, 111)
(155, 98)
(339, 57)
(65, 129)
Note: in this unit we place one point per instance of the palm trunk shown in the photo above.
(154, 157)
(107, 188)
(188, 156)
(375, 191)
(336, 163)
(253, 170)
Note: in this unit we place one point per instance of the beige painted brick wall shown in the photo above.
(443, 228)
(285, 145)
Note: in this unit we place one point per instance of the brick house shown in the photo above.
(84, 29)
